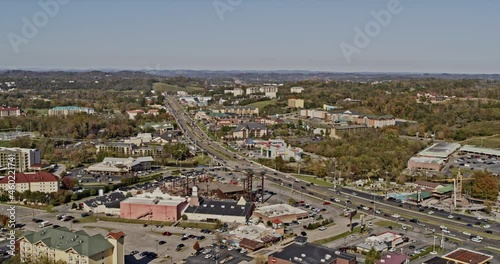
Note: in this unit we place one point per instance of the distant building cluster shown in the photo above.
(70, 110)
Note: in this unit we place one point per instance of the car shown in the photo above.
(446, 231)
(166, 234)
(414, 220)
(303, 233)
(430, 212)
(393, 249)
(466, 233)
(326, 203)
(145, 225)
(85, 214)
(378, 211)
(354, 193)
(200, 237)
(390, 227)
(411, 247)
(486, 226)
(322, 228)
(443, 227)
(143, 254)
(184, 238)
(243, 251)
(161, 242)
(404, 227)
(396, 216)
(450, 216)
(421, 224)
(134, 252)
(222, 246)
(469, 225)
(488, 232)
(152, 255)
(304, 226)
(36, 220)
(207, 256)
(74, 221)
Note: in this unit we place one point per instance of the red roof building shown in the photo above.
(38, 181)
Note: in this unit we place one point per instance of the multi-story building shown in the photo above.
(9, 111)
(35, 181)
(239, 110)
(296, 89)
(295, 103)
(70, 110)
(20, 159)
(153, 206)
(61, 244)
(262, 89)
(340, 131)
(250, 130)
(377, 121)
(116, 147)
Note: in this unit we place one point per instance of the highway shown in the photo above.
(233, 161)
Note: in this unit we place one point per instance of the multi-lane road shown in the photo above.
(232, 160)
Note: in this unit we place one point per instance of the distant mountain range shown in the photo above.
(254, 76)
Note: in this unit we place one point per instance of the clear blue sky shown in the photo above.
(455, 36)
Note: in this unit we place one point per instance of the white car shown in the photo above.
(322, 228)
(443, 227)
(208, 256)
(486, 226)
(392, 249)
(475, 239)
(430, 212)
(466, 233)
(450, 216)
(377, 211)
(396, 216)
(446, 231)
(404, 227)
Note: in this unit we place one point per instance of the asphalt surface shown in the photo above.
(233, 161)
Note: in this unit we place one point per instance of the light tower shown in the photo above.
(459, 185)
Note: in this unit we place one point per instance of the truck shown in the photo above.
(45, 224)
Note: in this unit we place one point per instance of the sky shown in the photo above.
(452, 36)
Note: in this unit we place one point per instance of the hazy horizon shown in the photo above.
(455, 37)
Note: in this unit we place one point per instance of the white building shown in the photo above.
(22, 159)
(296, 89)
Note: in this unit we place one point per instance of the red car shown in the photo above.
(326, 203)
(167, 233)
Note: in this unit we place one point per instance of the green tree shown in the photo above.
(372, 256)
(74, 206)
(184, 217)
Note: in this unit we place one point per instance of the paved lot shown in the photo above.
(228, 256)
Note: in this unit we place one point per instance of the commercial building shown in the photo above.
(9, 111)
(105, 204)
(153, 207)
(349, 115)
(116, 147)
(20, 159)
(119, 166)
(60, 244)
(229, 211)
(35, 182)
(296, 89)
(253, 236)
(70, 110)
(426, 164)
(469, 149)
(132, 114)
(284, 212)
(299, 252)
(467, 256)
(381, 242)
(262, 89)
(295, 103)
(442, 150)
(250, 130)
(160, 127)
(274, 148)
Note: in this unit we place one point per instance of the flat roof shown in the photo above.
(311, 254)
(427, 160)
(478, 150)
(214, 207)
(276, 210)
(440, 150)
(165, 202)
(467, 256)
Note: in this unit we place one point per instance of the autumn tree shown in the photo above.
(196, 246)
(372, 256)
(485, 186)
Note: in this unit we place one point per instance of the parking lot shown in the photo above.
(477, 162)
(225, 254)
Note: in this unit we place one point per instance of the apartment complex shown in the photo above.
(9, 111)
(69, 110)
(22, 158)
(35, 181)
(295, 103)
(60, 244)
(262, 89)
(250, 130)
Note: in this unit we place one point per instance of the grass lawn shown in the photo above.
(93, 218)
(385, 223)
(339, 236)
(262, 104)
(4, 143)
(487, 142)
(314, 180)
(427, 251)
